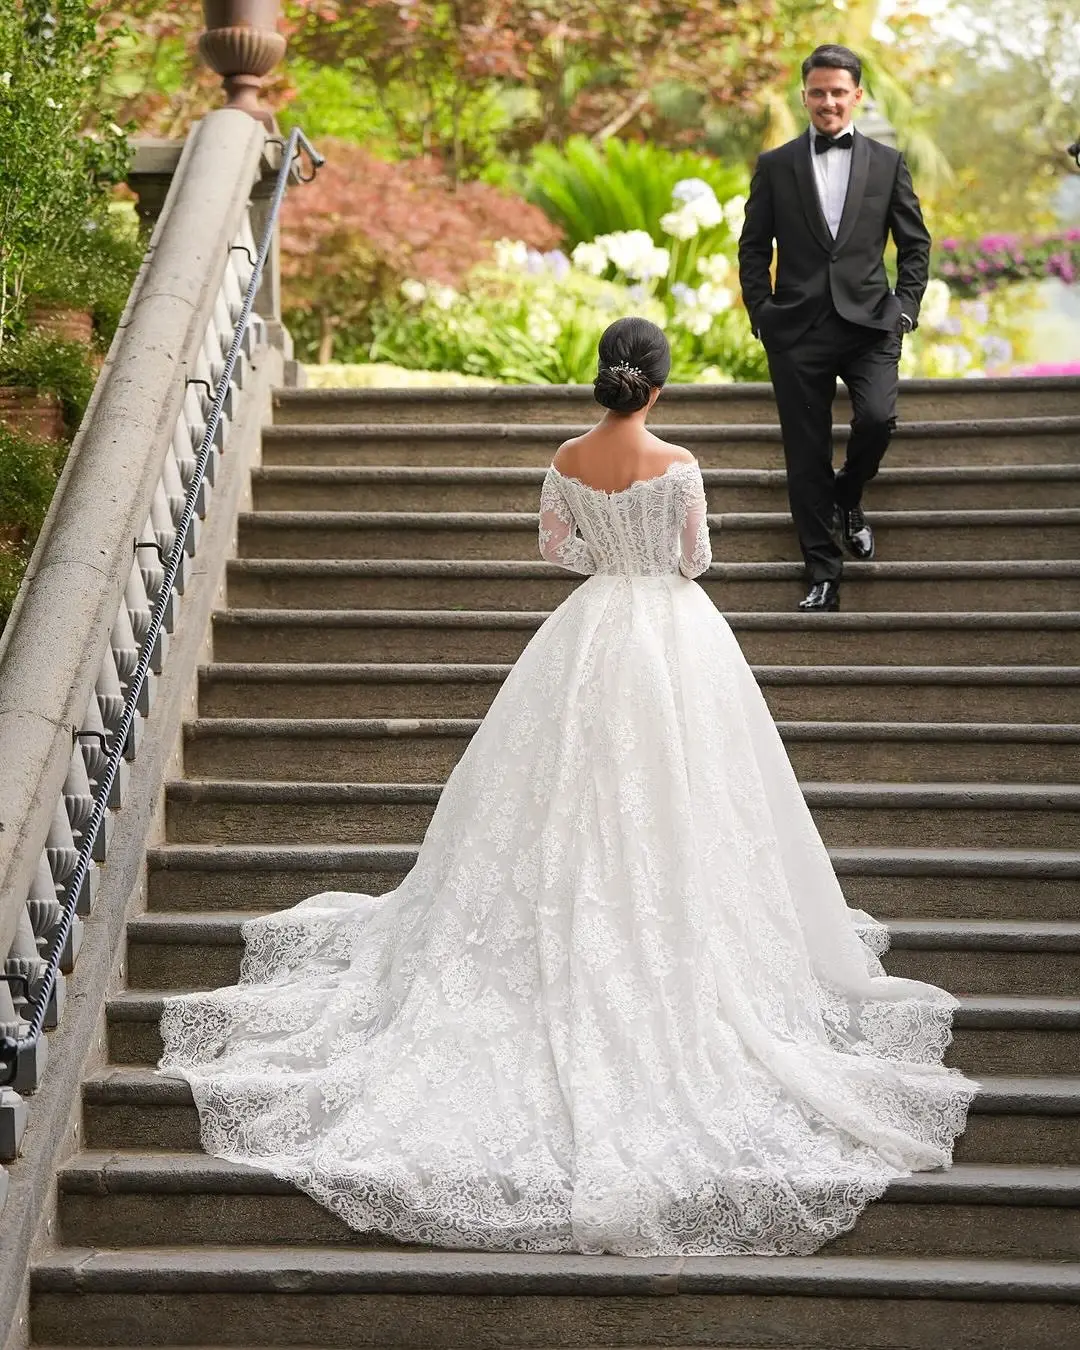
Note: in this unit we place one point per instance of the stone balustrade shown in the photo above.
(69, 655)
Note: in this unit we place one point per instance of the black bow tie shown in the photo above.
(823, 143)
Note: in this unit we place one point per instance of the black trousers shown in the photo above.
(804, 381)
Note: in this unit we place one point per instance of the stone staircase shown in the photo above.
(385, 579)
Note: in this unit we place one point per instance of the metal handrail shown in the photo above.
(39, 1005)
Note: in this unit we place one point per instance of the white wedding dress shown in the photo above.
(619, 1004)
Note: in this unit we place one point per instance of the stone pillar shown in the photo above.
(242, 44)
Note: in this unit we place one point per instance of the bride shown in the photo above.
(619, 1004)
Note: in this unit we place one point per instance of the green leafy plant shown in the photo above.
(622, 185)
(28, 472)
(60, 151)
(99, 278)
(48, 366)
(535, 317)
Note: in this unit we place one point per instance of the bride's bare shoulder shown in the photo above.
(564, 456)
(676, 454)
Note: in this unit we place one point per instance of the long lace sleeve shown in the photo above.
(559, 541)
(695, 549)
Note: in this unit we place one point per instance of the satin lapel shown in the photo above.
(856, 190)
(804, 177)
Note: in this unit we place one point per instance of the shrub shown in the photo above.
(537, 318)
(626, 185)
(973, 266)
(42, 363)
(363, 225)
(28, 473)
(60, 152)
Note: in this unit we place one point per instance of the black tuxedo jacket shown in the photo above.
(813, 269)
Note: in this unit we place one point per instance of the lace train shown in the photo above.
(618, 1005)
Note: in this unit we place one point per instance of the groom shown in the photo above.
(829, 199)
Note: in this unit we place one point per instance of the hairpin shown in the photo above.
(625, 365)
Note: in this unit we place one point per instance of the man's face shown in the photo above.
(829, 97)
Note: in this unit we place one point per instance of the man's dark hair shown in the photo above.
(831, 56)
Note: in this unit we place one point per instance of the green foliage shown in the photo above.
(100, 277)
(626, 185)
(42, 363)
(28, 473)
(59, 150)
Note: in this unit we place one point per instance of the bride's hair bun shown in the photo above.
(635, 359)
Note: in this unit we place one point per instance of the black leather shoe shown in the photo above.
(822, 595)
(858, 536)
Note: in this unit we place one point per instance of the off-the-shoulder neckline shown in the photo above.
(638, 483)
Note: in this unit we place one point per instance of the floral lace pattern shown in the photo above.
(654, 527)
(620, 1003)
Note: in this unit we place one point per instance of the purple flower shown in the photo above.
(949, 245)
(998, 350)
(557, 262)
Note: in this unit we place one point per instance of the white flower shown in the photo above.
(716, 267)
(510, 254)
(542, 326)
(591, 258)
(52, 103)
(714, 299)
(698, 321)
(5, 78)
(691, 189)
(679, 224)
(627, 248)
(707, 211)
(735, 214)
(116, 131)
(654, 263)
(935, 305)
(414, 291)
(443, 296)
(941, 359)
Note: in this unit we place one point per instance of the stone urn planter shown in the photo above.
(31, 413)
(242, 44)
(64, 322)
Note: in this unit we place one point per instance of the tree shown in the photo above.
(445, 71)
(1005, 114)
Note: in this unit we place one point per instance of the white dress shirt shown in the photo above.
(832, 170)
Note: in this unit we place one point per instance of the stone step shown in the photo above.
(1018, 1121)
(849, 815)
(297, 583)
(769, 639)
(1027, 440)
(416, 750)
(995, 487)
(929, 536)
(389, 1299)
(968, 957)
(1006, 1035)
(917, 883)
(952, 400)
(116, 1199)
(1044, 694)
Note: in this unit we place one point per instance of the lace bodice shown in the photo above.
(654, 527)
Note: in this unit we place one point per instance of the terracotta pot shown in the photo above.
(31, 413)
(241, 43)
(62, 321)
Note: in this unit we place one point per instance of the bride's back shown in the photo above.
(639, 514)
(611, 459)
